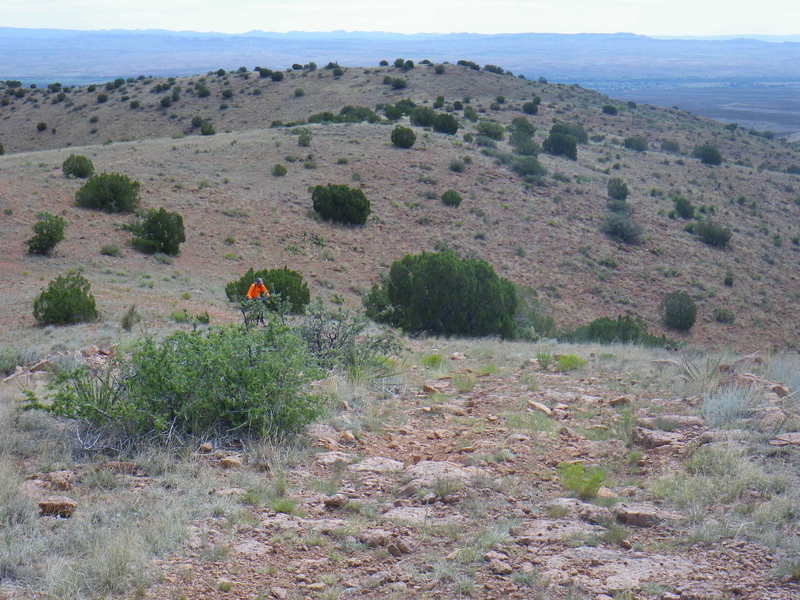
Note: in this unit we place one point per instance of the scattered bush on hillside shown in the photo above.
(403, 137)
(559, 144)
(304, 138)
(101, 98)
(341, 204)
(532, 108)
(610, 109)
(637, 143)
(491, 129)
(279, 170)
(451, 198)
(439, 69)
(422, 116)
(623, 228)
(470, 64)
(159, 231)
(206, 128)
(724, 315)
(712, 234)
(470, 114)
(528, 167)
(204, 383)
(77, 165)
(576, 130)
(441, 293)
(445, 123)
(683, 207)
(336, 73)
(67, 299)
(617, 189)
(276, 76)
(679, 311)
(708, 154)
(2, 150)
(348, 114)
(285, 282)
(109, 192)
(48, 231)
(670, 146)
(41, 126)
(493, 69)
(625, 329)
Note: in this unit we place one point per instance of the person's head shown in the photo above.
(259, 281)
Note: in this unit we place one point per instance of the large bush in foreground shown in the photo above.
(77, 165)
(441, 293)
(67, 299)
(341, 203)
(200, 383)
(287, 283)
(110, 192)
(47, 232)
(679, 311)
(159, 231)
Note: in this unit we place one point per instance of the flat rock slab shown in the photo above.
(643, 515)
(251, 548)
(675, 421)
(57, 507)
(282, 521)
(612, 571)
(652, 438)
(331, 458)
(552, 530)
(428, 472)
(417, 515)
(590, 513)
(378, 464)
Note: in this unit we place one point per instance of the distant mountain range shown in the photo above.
(621, 64)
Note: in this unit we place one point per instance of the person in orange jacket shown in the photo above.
(257, 290)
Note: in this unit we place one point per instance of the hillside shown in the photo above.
(544, 234)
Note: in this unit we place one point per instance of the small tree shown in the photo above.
(637, 143)
(708, 154)
(159, 231)
(285, 282)
(422, 116)
(559, 144)
(712, 234)
(109, 192)
(621, 227)
(279, 170)
(683, 207)
(341, 204)
(67, 299)
(617, 189)
(679, 311)
(610, 109)
(48, 231)
(77, 165)
(491, 129)
(403, 137)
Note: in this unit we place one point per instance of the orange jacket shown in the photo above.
(257, 290)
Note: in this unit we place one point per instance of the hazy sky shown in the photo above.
(649, 17)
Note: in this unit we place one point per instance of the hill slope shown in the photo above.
(544, 233)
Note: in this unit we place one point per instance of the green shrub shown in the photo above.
(712, 234)
(445, 123)
(279, 170)
(670, 146)
(576, 130)
(77, 166)
(582, 481)
(530, 108)
(2, 150)
(724, 315)
(159, 231)
(528, 166)
(285, 282)
(623, 228)
(67, 299)
(470, 114)
(48, 231)
(304, 139)
(617, 189)
(559, 144)
(439, 69)
(491, 129)
(708, 154)
(203, 383)
(441, 293)
(206, 128)
(683, 207)
(637, 143)
(403, 137)
(451, 198)
(110, 250)
(623, 330)
(569, 362)
(610, 109)
(41, 126)
(679, 311)
(109, 192)
(341, 204)
(728, 281)
(299, 93)
(422, 116)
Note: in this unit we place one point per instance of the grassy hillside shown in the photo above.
(544, 232)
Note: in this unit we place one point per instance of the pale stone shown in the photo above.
(377, 464)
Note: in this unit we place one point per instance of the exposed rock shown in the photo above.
(251, 548)
(122, 467)
(547, 530)
(500, 568)
(519, 437)
(230, 492)
(333, 457)
(57, 507)
(427, 472)
(591, 513)
(542, 408)
(654, 438)
(60, 480)
(377, 464)
(780, 391)
(335, 501)
(619, 401)
(457, 356)
(642, 515)
(375, 537)
(376, 579)
(347, 437)
(205, 448)
(230, 462)
(279, 593)
(400, 546)
(414, 515)
(787, 439)
(675, 421)
(606, 493)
